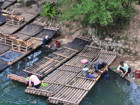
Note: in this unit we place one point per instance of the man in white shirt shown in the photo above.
(124, 69)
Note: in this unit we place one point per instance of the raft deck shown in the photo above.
(49, 63)
(15, 23)
(75, 90)
(67, 85)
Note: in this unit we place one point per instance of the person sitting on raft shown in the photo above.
(101, 66)
(34, 81)
(46, 41)
(124, 69)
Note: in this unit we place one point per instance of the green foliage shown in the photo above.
(49, 10)
(103, 12)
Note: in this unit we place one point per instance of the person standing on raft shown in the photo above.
(46, 41)
(124, 69)
(34, 81)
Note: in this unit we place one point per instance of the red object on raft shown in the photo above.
(57, 43)
(137, 74)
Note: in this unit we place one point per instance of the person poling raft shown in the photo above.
(33, 81)
(124, 69)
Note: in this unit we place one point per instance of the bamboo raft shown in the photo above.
(4, 48)
(22, 36)
(16, 22)
(22, 42)
(31, 30)
(108, 57)
(77, 44)
(48, 25)
(47, 64)
(19, 44)
(28, 31)
(45, 32)
(3, 64)
(77, 88)
(88, 53)
(10, 56)
(34, 30)
(44, 66)
(74, 86)
(16, 51)
(49, 90)
(7, 3)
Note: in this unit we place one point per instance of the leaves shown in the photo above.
(103, 12)
(49, 10)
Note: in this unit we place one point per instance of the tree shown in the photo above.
(103, 12)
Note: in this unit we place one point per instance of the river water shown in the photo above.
(115, 91)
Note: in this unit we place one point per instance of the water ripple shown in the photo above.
(14, 95)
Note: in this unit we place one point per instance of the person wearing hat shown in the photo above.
(34, 81)
(124, 69)
(101, 66)
(47, 41)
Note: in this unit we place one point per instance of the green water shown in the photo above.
(115, 91)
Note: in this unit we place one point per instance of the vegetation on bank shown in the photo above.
(104, 15)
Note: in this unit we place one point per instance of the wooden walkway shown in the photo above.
(49, 63)
(67, 85)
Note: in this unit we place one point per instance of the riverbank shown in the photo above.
(133, 62)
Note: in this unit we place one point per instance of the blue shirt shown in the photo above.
(99, 66)
(46, 42)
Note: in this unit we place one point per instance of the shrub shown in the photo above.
(49, 10)
(103, 12)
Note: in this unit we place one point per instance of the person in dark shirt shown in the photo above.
(101, 66)
(47, 41)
